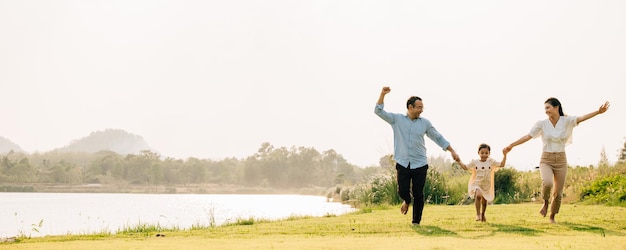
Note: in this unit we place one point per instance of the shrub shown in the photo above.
(435, 190)
(610, 190)
(505, 186)
(527, 185)
(457, 190)
(381, 189)
(384, 190)
(345, 194)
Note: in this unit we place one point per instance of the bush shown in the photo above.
(610, 190)
(505, 186)
(457, 190)
(527, 185)
(435, 191)
(381, 189)
(511, 186)
(345, 194)
(384, 190)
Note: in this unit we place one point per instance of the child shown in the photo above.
(480, 185)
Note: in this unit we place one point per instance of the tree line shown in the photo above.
(272, 167)
(298, 168)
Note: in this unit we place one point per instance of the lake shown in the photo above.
(40, 214)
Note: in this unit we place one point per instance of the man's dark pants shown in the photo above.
(411, 181)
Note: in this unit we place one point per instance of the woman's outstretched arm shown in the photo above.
(600, 110)
(515, 143)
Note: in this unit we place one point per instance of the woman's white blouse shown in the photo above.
(555, 138)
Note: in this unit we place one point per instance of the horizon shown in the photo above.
(162, 156)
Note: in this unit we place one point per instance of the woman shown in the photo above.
(556, 133)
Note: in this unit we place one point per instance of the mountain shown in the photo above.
(115, 140)
(7, 145)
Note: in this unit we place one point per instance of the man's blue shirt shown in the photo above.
(408, 137)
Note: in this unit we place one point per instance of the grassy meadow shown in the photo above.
(517, 226)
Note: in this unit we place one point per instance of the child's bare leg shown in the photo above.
(477, 203)
(484, 208)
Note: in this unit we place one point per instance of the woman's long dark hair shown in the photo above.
(555, 103)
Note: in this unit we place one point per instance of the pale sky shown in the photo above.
(216, 79)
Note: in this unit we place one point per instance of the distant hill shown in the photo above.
(7, 145)
(115, 140)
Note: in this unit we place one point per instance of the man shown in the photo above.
(410, 150)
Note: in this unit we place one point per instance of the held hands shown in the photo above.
(455, 156)
(459, 163)
(507, 150)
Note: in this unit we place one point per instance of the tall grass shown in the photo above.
(145, 229)
(604, 185)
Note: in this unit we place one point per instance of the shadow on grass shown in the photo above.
(433, 231)
(487, 231)
(501, 228)
(591, 229)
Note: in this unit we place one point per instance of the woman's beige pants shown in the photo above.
(553, 168)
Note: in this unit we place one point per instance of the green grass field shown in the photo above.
(516, 226)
